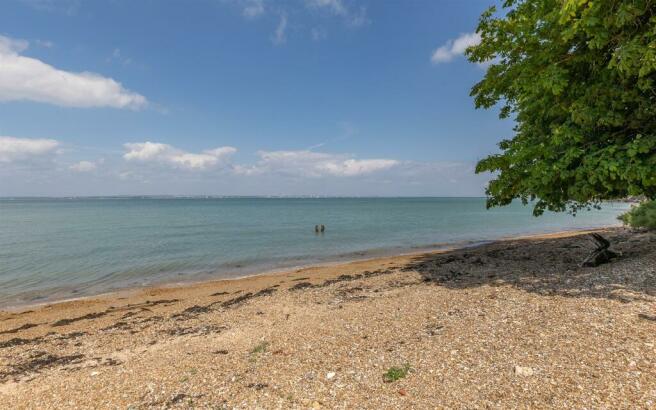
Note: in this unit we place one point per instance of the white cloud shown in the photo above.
(171, 156)
(26, 78)
(145, 151)
(253, 8)
(83, 166)
(42, 167)
(12, 45)
(313, 164)
(351, 167)
(455, 47)
(14, 149)
(279, 36)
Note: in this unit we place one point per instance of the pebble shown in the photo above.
(524, 371)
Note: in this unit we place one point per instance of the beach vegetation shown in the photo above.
(641, 216)
(260, 348)
(578, 79)
(396, 373)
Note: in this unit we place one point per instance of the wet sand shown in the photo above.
(515, 323)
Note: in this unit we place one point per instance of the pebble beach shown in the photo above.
(516, 323)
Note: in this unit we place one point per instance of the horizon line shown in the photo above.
(228, 196)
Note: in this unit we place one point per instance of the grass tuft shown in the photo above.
(260, 348)
(395, 373)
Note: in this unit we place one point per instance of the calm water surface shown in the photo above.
(61, 248)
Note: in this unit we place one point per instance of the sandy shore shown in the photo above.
(514, 324)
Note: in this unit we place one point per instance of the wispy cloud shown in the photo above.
(67, 7)
(359, 18)
(44, 43)
(354, 18)
(347, 131)
(313, 164)
(352, 15)
(164, 154)
(15, 149)
(454, 48)
(29, 79)
(280, 35)
(253, 8)
(335, 6)
(118, 56)
(318, 33)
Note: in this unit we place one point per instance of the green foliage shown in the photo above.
(641, 216)
(396, 373)
(577, 76)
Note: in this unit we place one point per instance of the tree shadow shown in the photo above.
(550, 267)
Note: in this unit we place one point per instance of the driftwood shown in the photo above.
(602, 254)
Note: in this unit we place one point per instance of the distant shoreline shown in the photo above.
(70, 197)
(100, 197)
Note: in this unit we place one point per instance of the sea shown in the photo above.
(61, 248)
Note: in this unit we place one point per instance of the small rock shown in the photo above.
(330, 375)
(95, 373)
(523, 371)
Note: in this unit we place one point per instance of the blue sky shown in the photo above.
(241, 97)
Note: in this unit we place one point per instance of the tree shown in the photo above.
(578, 78)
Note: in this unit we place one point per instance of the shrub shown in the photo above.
(641, 216)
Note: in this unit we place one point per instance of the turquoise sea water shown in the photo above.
(62, 248)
